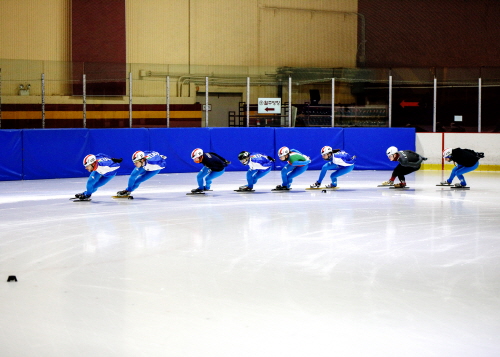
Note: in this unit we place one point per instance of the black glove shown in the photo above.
(424, 158)
(117, 161)
(480, 155)
(270, 158)
(227, 162)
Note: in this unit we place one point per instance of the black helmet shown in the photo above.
(244, 157)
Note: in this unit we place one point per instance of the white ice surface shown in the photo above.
(362, 271)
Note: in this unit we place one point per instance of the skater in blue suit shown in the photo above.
(341, 162)
(102, 168)
(213, 166)
(147, 164)
(259, 165)
(297, 164)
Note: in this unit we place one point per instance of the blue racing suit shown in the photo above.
(297, 164)
(154, 164)
(105, 171)
(341, 162)
(259, 166)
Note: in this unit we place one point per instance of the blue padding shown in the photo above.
(229, 142)
(370, 145)
(119, 143)
(177, 144)
(58, 153)
(11, 166)
(308, 141)
(54, 153)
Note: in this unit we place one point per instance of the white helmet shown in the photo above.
(138, 155)
(283, 151)
(325, 150)
(89, 160)
(392, 150)
(196, 153)
(447, 153)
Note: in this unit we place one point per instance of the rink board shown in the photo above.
(58, 153)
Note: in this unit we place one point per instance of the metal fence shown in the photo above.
(42, 94)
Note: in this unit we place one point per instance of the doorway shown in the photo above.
(221, 104)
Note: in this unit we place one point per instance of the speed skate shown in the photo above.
(322, 188)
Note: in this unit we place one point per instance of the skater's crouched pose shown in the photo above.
(213, 166)
(466, 160)
(147, 164)
(259, 165)
(297, 163)
(102, 168)
(338, 160)
(409, 161)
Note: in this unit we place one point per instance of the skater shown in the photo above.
(409, 162)
(338, 160)
(147, 164)
(465, 160)
(297, 163)
(102, 168)
(213, 166)
(259, 165)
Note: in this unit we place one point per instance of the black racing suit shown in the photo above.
(464, 157)
(214, 162)
(409, 161)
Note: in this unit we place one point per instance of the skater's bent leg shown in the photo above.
(341, 171)
(211, 176)
(453, 173)
(463, 170)
(250, 177)
(258, 175)
(402, 171)
(201, 175)
(298, 171)
(146, 175)
(103, 180)
(284, 174)
(134, 176)
(95, 181)
(324, 169)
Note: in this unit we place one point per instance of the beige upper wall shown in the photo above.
(157, 31)
(274, 33)
(35, 30)
(197, 32)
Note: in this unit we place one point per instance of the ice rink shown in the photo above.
(361, 271)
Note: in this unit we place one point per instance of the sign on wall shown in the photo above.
(269, 106)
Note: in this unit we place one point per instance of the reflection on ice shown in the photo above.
(361, 271)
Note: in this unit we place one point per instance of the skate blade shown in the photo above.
(322, 188)
(123, 197)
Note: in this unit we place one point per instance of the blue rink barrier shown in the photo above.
(11, 164)
(308, 141)
(58, 153)
(370, 145)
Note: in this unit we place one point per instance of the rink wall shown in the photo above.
(431, 145)
(30, 154)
